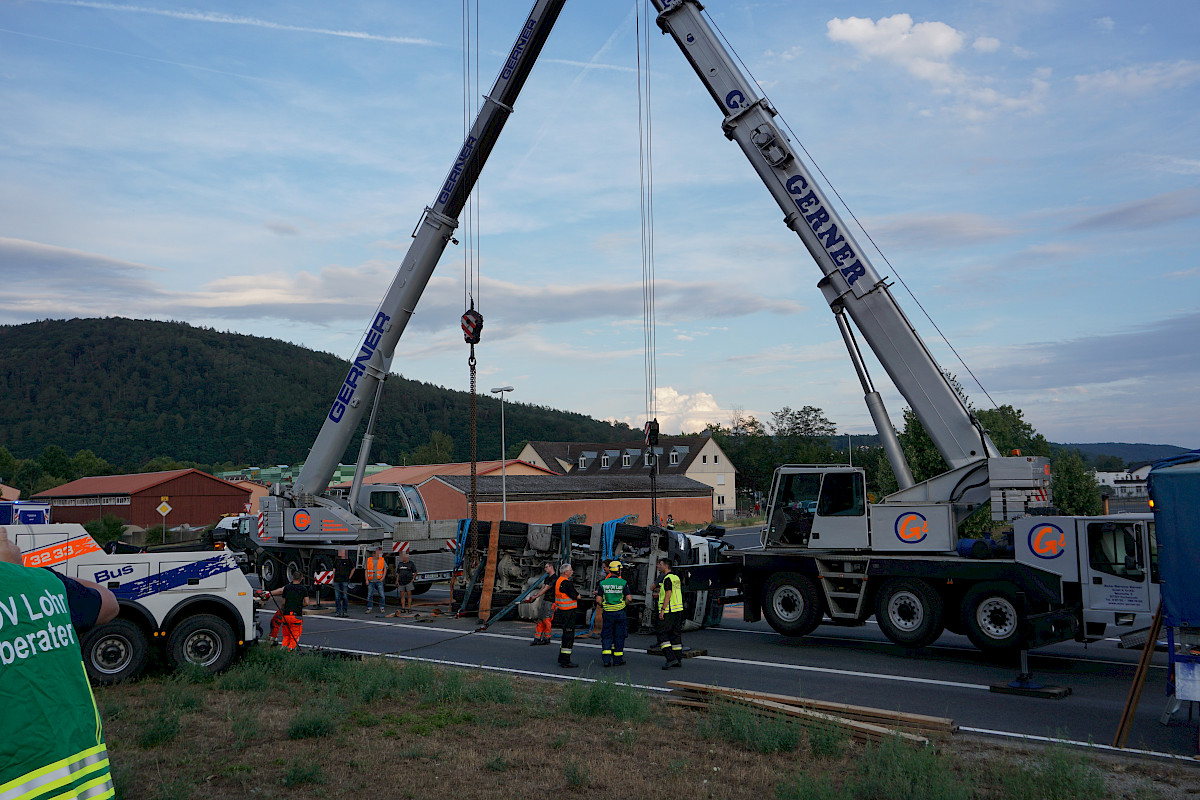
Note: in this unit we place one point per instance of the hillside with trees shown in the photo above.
(122, 394)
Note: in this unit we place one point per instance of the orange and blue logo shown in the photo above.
(912, 528)
(1047, 541)
(301, 520)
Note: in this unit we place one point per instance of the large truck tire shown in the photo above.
(270, 572)
(293, 565)
(909, 612)
(991, 616)
(114, 652)
(792, 604)
(204, 640)
(421, 588)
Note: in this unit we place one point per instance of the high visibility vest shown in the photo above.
(612, 593)
(671, 581)
(376, 569)
(561, 601)
(52, 738)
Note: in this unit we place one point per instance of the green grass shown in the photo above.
(311, 724)
(1055, 774)
(158, 730)
(734, 722)
(605, 698)
(896, 770)
(300, 774)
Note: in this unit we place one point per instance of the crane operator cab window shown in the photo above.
(792, 513)
(1115, 548)
(842, 495)
(390, 503)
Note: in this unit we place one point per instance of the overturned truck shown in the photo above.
(522, 549)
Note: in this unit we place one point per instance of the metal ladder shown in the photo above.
(844, 583)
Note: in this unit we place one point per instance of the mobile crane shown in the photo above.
(825, 549)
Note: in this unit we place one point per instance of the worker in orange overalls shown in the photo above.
(541, 631)
(288, 623)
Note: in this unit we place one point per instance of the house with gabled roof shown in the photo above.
(699, 458)
(192, 497)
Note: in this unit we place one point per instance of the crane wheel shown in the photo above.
(909, 612)
(792, 604)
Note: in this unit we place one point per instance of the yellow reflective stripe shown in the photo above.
(55, 775)
(613, 607)
(58, 783)
(103, 783)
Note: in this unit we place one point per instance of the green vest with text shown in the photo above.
(612, 593)
(51, 741)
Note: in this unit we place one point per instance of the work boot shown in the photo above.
(568, 664)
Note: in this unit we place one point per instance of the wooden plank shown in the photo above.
(859, 730)
(891, 718)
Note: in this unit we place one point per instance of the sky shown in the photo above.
(1028, 169)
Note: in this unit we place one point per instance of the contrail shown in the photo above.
(226, 19)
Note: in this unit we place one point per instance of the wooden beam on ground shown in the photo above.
(892, 719)
(858, 730)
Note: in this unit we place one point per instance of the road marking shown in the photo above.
(718, 659)
(828, 671)
(1094, 746)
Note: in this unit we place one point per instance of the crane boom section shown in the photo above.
(433, 233)
(850, 281)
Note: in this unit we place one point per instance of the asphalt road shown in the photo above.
(850, 665)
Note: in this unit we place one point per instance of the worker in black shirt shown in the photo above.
(406, 574)
(343, 567)
(291, 616)
(566, 603)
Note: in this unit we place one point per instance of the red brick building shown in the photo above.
(196, 498)
(547, 499)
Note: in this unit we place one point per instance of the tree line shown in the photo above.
(806, 436)
(138, 394)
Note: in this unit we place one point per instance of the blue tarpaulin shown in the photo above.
(1174, 485)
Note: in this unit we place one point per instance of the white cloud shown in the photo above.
(1141, 78)
(683, 413)
(924, 48)
(1104, 23)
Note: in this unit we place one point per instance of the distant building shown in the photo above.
(418, 473)
(698, 458)
(283, 473)
(1128, 484)
(547, 499)
(195, 498)
(9, 493)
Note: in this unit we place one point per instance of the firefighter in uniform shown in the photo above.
(52, 740)
(566, 601)
(612, 595)
(670, 616)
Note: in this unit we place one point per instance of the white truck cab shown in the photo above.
(195, 606)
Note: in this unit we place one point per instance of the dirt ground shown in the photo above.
(283, 725)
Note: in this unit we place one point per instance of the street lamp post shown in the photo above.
(500, 390)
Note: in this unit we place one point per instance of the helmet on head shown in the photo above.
(614, 566)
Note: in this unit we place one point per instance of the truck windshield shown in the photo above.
(390, 503)
(415, 503)
(842, 495)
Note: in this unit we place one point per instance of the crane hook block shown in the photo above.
(472, 326)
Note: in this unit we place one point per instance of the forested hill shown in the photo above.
(132, 390)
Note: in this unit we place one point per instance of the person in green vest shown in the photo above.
(612, 595)
(670, 615)
(51, 739)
